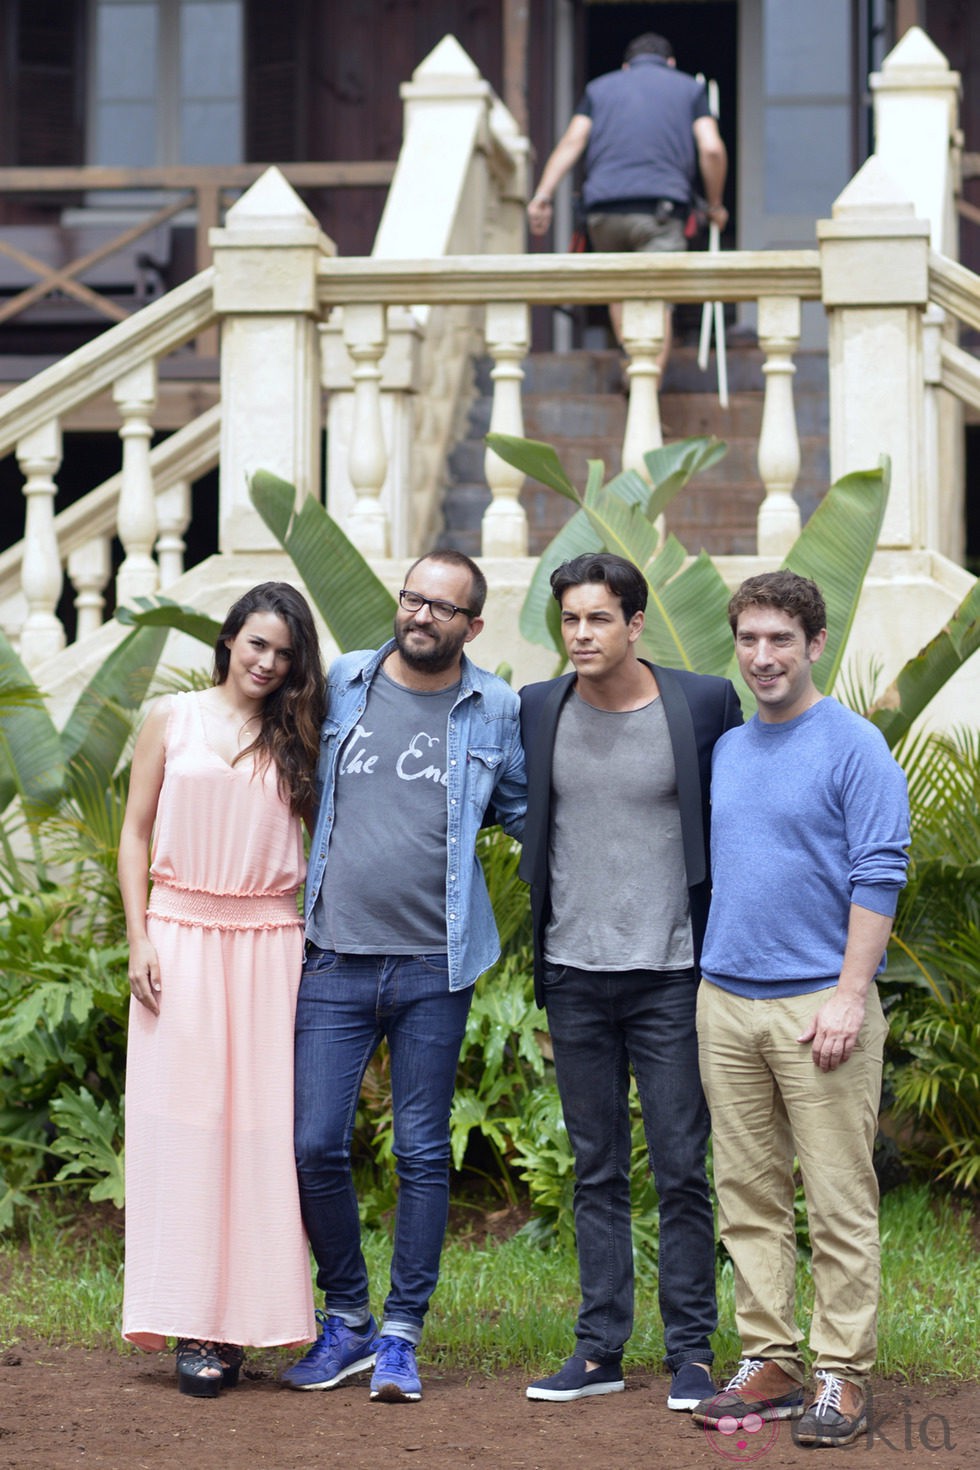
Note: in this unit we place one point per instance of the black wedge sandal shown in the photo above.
(231, 1357)
(200, 1371)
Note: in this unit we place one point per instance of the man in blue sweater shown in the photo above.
(809, 831)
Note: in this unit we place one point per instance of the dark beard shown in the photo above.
(435, 659)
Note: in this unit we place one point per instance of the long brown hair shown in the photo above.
(293, 713)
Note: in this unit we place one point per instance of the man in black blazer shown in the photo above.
(616, 853)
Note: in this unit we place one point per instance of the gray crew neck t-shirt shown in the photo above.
(618, 884)
(384, 887)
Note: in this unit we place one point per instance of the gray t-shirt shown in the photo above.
(384, 888)
(618, 884)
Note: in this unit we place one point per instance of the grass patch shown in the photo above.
(62, 1277)
(509, 1304)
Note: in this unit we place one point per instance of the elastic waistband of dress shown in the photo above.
(223, 910)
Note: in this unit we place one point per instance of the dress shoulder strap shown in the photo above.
(184, 719)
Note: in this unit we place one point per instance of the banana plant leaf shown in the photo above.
(926, 673)
(540, 621)
(354, 603)
(835, 549)
(100, 725)
(535, 459)
(694, 607)
(669, 467)
(162, 612)
(31, 760)
(685, 616)
(667, 563)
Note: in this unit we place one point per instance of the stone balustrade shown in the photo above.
(79, 539)
(361, 328)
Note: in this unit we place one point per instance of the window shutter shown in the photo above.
(277, 42)
(47, 83)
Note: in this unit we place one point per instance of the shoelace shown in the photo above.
(829, 1395)
(330, 1330)
(396, 1355)
(746, 1368)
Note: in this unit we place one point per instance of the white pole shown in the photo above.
(713, 312)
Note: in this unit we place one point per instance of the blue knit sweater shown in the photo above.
(807, 817)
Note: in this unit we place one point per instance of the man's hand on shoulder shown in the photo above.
(834, 1029)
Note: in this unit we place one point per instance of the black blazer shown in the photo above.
(699, 708)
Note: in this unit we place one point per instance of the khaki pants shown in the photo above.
(768, 1101)
(642, 232)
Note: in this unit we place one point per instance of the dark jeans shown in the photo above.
(600, 1023)
(347, 1003)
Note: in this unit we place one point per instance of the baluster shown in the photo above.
(39, 457)
(173, 518)
(643, 339)
(89, 569)
(508, 337)
(936, 533)
(779, 446)
(135, 395)
(366, 335)
(426, 428)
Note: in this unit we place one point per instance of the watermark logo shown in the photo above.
(743, 1438)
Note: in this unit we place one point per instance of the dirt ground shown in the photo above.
(64, 1408)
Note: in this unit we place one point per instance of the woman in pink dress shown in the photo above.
(216, 1255)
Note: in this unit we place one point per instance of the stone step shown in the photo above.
(574, 402)
(744, 361)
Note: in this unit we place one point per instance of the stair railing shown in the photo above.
(85, 530)
(503, 286)
(400, 375)
(123, 360)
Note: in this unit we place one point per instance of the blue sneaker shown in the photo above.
(338, 1352)
(395, 1379)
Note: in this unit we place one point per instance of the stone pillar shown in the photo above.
(265, 292)
(446, 127)
(916, 101)
(874, 256)
(917, 138)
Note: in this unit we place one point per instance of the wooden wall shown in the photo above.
(954, 25)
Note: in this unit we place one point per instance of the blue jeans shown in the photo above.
(600, 1022)
(347, 1004)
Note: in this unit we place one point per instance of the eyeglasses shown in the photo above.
(443, 612)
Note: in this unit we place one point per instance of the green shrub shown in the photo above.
(933, 981)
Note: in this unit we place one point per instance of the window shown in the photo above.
(167, 82)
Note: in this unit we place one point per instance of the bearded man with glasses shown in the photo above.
(420, 748)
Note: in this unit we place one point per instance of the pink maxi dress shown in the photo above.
(215, 1247)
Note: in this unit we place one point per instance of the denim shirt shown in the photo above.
(487, 784)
